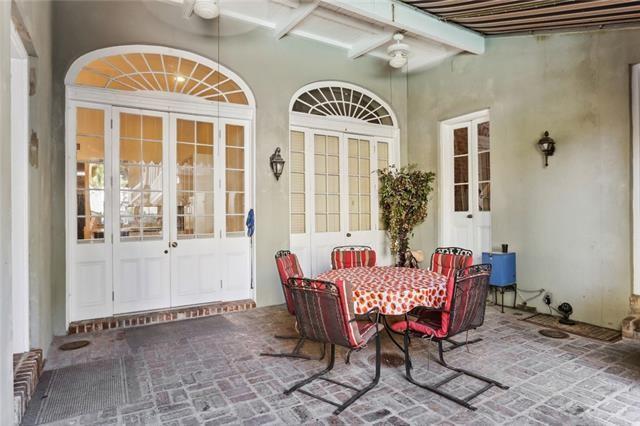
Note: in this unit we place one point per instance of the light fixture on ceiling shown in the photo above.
(399, 52)
(206, 9)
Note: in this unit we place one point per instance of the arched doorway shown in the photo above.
(340, 134)
(159, 147)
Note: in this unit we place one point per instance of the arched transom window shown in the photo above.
(343, 102)
(145, 71)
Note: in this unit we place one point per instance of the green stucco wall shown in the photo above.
(570, 223)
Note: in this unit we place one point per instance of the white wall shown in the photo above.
(6, 366)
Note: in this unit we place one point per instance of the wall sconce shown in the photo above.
(277, 163)
(547, 146)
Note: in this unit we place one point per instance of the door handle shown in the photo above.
(469, 216)
(174, 244)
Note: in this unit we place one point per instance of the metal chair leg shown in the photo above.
(455, 344)
(295, 353)
(359, 392)
(457, 373)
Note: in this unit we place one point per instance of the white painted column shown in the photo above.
(635, 120)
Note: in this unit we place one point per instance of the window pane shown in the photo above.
(460, 141)
(90, 174)
(205, 133)
(152, 128)
(186, 131)
(152, 152)
(89, 148)
(186, 154)
(461, 198)
(484, 137)
(461, 169)
(204, 156)
(484, 197)
(484, 166)
(235, 184)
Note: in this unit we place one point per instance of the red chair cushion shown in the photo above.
(419, 327)
(288, 266)
(449, 264)
(341, 259)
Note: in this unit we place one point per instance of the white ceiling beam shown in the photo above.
(402, 16)
(367, 44)
(289, 3)
(297, 16)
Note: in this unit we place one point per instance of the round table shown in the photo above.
(395, 291)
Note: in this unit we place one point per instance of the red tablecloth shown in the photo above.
(394, 290)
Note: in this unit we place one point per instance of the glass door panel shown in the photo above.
(359, 151)
(235, 183)
(90, 206)
(194, 186)
(141, 260)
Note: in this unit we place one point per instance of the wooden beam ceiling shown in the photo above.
(493, 17)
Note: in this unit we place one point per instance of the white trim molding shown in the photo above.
(635, 187)
(19, 192)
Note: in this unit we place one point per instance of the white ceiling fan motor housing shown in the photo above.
(206, 9)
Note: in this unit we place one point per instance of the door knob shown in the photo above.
(166, 251)
(174, 244)
(469, 216)
(348, 234)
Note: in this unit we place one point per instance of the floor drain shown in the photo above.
(71, 346)
(554, 334)
(388, 359)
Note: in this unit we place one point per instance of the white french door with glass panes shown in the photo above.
(334, 194)
(141, 257)
(210, 254)
(466, 183)
(160, 202)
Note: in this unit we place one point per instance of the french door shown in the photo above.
(334, 194)
(160, 208)
(466, 171)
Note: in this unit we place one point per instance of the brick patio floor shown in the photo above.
(196, 372)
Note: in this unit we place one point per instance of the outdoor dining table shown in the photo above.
(394, 290)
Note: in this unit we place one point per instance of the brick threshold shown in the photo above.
(159, 317)
(27, 368)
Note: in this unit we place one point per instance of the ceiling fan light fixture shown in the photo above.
(206, 9)
(399, 52)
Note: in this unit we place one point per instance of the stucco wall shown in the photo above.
(6, 368)
(570, 223)
(36, 16)
(274, 69)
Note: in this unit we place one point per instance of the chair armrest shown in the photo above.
(375, 310)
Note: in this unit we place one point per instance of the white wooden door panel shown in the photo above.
(466, 184)
(89, 210)
(141, 204)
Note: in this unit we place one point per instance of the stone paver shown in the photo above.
(199, 372)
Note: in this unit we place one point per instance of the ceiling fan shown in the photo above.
(205, 9)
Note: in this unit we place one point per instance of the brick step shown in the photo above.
(27, 368)
(158, 317)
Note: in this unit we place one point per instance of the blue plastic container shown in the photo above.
(503, 268)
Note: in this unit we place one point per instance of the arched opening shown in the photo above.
(340, 134)
(159, 182)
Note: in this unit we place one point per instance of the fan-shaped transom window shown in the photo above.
(343, 102)
(161, 72)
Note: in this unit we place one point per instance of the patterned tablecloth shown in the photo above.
(394, 290)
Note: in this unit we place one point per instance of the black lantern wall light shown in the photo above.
(547, 146)
(277, 163)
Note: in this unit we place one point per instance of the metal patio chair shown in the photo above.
(288, 266)
(463, 311)
(352, 257)
(325, 314)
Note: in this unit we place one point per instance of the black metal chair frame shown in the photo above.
(456, 251)
(340, 407)
(297, 350)
(435, 388)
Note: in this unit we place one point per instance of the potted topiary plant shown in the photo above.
(403, 197)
